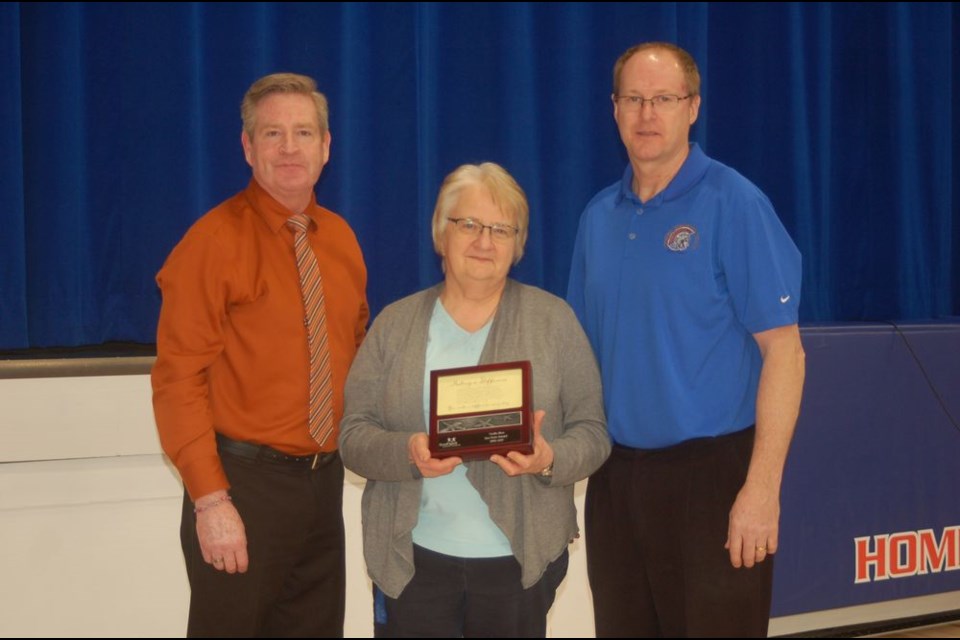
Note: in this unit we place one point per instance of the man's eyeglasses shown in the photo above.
(665, 102)
(473, 228)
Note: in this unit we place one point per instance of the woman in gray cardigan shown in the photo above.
(473, 548)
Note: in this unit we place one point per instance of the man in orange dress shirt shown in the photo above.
(262, 525)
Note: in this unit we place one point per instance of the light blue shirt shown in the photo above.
(454, 519)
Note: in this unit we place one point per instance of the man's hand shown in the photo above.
(754, 525)
(220, 530)
(755, 515)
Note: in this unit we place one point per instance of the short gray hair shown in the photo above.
(282, 83)
(501, 186)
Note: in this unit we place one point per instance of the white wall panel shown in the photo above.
(81, 417)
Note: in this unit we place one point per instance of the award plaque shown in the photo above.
(476, 412)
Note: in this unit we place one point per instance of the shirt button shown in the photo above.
(632, 236)
(640, 211)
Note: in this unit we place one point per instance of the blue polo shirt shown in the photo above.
(669, 292)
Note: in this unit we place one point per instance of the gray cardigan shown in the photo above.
(384, 405)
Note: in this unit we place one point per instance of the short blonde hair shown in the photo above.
(501, 186)
(691, 75)
(282, 83)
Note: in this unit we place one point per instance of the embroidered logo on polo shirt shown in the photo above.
(681, 238)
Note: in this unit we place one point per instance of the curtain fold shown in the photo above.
(13, 258)
(121, 127)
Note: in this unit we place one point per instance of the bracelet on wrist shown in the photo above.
(211, 505)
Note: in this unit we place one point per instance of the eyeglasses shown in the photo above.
(474, 229)
(665, 102)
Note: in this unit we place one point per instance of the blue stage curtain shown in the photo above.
(121, 127)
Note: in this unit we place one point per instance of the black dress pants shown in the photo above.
(656, 522)
(293, 516)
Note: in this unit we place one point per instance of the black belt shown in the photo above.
(694, 444)
(263, 453)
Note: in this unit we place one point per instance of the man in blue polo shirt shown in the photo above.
(688, 286)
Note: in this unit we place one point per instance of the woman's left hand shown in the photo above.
(515, 464)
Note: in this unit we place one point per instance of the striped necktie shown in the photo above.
(321, 389)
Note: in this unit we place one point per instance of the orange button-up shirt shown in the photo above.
(232, 350)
